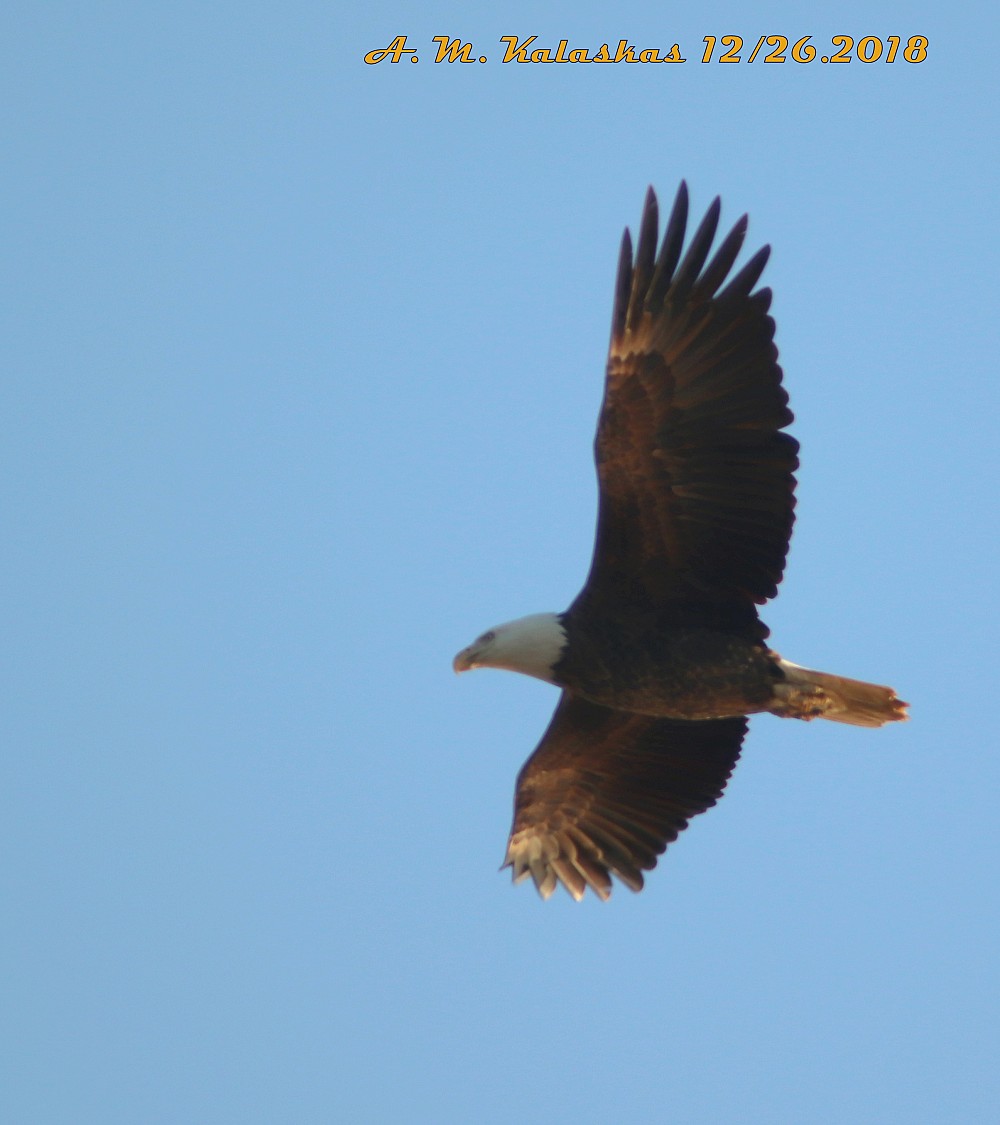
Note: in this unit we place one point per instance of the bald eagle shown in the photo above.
(662, 656)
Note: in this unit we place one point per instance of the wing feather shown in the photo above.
(716, 271)
(606, 791)
(673, 244)
(747, 277)
(690, 267)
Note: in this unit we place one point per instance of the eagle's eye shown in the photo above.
(488, 636)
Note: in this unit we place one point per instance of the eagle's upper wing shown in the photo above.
(606, 791)
(695, 476)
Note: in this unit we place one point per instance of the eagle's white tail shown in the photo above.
(807, 694)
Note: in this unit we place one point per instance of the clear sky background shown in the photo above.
(301, 366)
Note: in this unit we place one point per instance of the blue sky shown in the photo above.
(302, 364)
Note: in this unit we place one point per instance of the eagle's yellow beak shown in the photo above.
(465, 659)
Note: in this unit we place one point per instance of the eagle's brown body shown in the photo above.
(662, 654)
(668, 672)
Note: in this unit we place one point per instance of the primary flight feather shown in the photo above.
(662, 655)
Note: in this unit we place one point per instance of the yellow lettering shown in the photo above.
(454, 50)
(397, 48)
(514, 51)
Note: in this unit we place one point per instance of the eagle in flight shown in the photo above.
(662, 656)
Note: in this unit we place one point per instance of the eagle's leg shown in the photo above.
(801, 701)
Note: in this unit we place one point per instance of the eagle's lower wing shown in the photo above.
(695, 476)
(606, 791)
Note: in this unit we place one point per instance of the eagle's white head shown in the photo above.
(532, 645)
